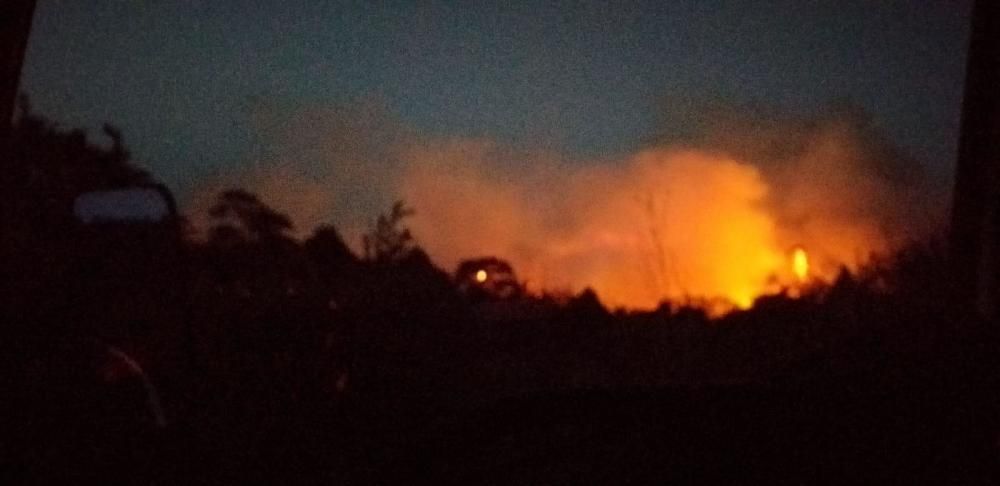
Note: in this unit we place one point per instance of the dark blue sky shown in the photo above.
(181, 77)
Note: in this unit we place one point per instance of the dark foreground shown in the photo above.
(858, 432)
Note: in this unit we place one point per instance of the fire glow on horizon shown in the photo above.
(728, 220)
(680, 225)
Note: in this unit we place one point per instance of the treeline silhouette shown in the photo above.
(279, 358)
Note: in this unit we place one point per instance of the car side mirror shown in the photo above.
(139, 204)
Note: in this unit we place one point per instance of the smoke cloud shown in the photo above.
(714, 214)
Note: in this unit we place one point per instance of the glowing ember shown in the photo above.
(481, 276)
(800, 264)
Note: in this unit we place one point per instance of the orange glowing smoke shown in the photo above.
(665, 224)
(670, 222)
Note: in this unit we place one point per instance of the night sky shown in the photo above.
(181, 77)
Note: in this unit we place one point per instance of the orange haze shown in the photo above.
(718, 220)
(664, 224)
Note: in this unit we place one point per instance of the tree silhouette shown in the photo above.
(335, 267)
(389, 241)
(327, 249)
(241, 215)
(488, 277)
(250, 251)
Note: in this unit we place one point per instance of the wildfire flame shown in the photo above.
(800, 264)
(703, 223)
(686, 226)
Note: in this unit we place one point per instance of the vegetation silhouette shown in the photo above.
(287, 360)
(488, 278)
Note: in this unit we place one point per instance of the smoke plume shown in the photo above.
(712, 215)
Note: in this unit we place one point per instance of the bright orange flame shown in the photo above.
(800, 264)
(684, 225)
(669, 222)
